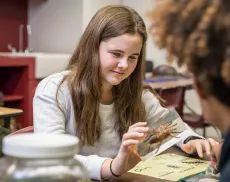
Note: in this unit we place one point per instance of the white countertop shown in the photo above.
(45, 63)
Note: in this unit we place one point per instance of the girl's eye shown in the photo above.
(117, 55)
(133, 58)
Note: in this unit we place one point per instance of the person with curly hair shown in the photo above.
(197, 33)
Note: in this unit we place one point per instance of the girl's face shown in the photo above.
(118, 58)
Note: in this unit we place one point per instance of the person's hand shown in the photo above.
(215, 158)
(199, 146)
(127, 156)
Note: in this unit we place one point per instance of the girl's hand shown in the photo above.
(127, 156)
(199, 146)
(215, 158)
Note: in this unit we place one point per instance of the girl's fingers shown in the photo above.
(129, 142)
(199, 149)
(139, 129)
(202, 146)
(187, 148)
(212, 142)
(138, 125)
(132, 135)
(207, 147)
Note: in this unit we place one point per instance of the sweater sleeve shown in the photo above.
(48, 118)
(154, 111)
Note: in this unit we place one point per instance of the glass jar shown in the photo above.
(41, 158)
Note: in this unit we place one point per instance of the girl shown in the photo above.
(101, 99)
(197, 32)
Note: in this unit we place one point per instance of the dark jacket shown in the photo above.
(224, 165)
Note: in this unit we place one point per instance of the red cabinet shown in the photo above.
(18, 83)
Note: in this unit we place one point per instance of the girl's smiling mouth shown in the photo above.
(118, 72)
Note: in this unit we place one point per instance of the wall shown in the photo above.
(56, 25)
(90, 7)
(152, 52)
(12, 14)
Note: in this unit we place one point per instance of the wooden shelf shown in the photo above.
(11, 98)
(18, 84)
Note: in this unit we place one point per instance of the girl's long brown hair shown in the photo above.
(197, 32)
(84, 79)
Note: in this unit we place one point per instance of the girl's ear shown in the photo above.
(199, 91)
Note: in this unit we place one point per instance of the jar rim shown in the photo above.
(40, 145)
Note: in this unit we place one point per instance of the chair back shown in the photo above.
(174, 98)
(148, 66)
(165, 70)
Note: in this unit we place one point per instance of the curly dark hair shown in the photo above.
(197, 33)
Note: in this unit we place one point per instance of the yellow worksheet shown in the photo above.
(170, 167)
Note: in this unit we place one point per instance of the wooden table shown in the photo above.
(131, 177)
(163, 83)
(7, 113)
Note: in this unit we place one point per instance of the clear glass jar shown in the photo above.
(41, 158)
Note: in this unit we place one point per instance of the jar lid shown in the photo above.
(40, 145)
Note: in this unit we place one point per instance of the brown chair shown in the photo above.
(174, 98)
(165, 70)
(195, 120)
(149, 66)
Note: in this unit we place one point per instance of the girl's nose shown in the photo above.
(123, 63)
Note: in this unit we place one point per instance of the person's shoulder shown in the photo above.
(55, 78)
(51, 82)
(148, 95)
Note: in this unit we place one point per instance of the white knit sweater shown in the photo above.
(49, 119)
